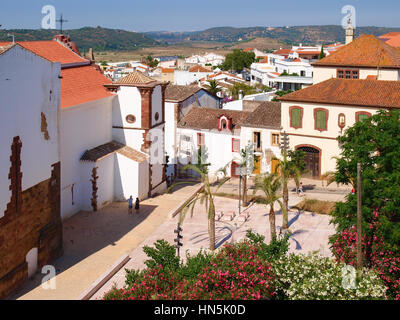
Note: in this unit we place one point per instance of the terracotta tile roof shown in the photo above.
(53, 51)
(100, 152)
(199, 69)
(135, 78)
(176, 93)
(307, 52)
(394, 42)
(250, 105)
(365, 51)
(266, 115)
(81, 85)
(283, 52)
(167, 70)
(369, 93)
(207, 118)
(248, 49)
(389, 35)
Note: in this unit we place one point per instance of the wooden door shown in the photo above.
(257, 165)
(274, 166)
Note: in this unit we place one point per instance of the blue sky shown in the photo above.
(189, 15)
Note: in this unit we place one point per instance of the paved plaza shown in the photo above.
(310, 233)
(94, 241)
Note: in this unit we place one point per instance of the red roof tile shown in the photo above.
(283, 52)
(81, 85)
(199, 69)
(53, 51)
(369, 93)
(365, 51)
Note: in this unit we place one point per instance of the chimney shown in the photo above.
(349, 32)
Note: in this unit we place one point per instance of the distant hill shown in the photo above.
(288, 35)
(100, 39)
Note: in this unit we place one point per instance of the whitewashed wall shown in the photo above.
(105, 182)
(156, 106)
(218, 146)
(82, 128)
(29, 85)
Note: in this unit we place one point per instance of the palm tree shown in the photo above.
(271, 185)
(213, 87)
(205, 195)
(284, 170)
(244, 154)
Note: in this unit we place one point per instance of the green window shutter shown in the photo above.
(362, 117)
(321, 119)
(296, 118)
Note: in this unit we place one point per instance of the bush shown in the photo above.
(277, 248)
(163, 254)
(384, 261)
(313, 277)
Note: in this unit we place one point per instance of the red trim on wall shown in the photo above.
(301, 116)
(233, 141)
(326, 119)
(200, 139)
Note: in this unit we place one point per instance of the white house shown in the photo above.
(216, 131)
(193, 75)
(178, 101)
(261, 129)
(206, 59)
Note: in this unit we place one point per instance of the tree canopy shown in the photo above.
(238, 60)
(375, 143)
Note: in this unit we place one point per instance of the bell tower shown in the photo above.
(349, 32)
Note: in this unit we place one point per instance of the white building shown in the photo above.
(193, 75)
(30, 222)
(206, 59)
(178, 101)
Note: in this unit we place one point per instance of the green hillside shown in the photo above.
(100, 39)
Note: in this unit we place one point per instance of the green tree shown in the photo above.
(243, 87)
(289, 166)
(322, 53)
(238, 60)
(213, 87)
(151, 62)
(270, 185)
(298, 165)
(281, 93)
(375, 143)
(205, 196)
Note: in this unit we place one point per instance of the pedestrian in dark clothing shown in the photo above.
(137, 205)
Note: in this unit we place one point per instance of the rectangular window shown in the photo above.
(295, 118)
(362, 116)
(200, 139)
(320, 119)
(257, 139)
(347, 74)
(275, 139)
(235, 145)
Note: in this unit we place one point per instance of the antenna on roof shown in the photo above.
(61, 21)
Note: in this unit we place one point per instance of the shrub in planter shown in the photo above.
(313, 277)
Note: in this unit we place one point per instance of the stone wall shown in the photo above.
(32, 220)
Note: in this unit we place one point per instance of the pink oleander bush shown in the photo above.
(375, 255)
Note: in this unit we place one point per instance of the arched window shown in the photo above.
(321, 119)
(296, 117)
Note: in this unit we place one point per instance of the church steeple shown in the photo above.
(349, 32)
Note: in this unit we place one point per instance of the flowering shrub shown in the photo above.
(313, 277)
(384, 261)
(235, 272)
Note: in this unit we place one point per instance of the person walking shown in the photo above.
(130, 205)
(137, 205)
(301, 193)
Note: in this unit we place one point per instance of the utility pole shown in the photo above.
(359, 218)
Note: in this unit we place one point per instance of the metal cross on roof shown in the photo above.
(61, 21)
